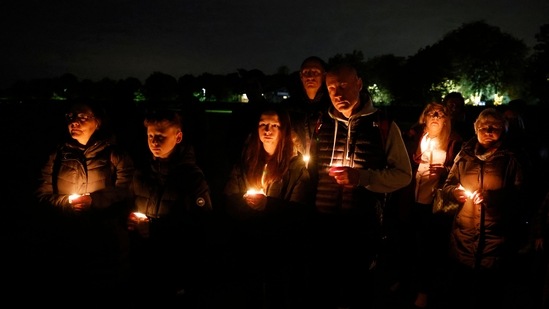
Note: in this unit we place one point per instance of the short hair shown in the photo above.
(314, 59)
(454, 95)
(163, 115)
(491, 113)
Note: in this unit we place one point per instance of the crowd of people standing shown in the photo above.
(328, 203)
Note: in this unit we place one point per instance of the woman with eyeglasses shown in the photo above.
(432, 146)
(84, 190)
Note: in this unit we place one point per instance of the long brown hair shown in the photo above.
(255, 158)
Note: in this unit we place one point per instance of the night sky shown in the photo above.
(120, 39)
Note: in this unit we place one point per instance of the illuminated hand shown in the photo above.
(460, 194)
(256, 201)
(477, 197)
(345, 175)
(435, 170)
(139, 223)
(81, 203)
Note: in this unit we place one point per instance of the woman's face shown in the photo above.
(435, 120)
(81, 124)
(269, 131)
(489, 131)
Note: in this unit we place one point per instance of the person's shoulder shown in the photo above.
(297, 161)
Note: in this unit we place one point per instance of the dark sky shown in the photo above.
(119, 39)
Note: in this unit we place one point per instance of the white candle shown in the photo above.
(73, 196)
(254, 191)
(140, 215)
(263, 175)
(432, 145)
(306, 160)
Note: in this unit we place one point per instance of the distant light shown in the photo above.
(219, 111)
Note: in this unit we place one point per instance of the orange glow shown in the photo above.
(140, 215)
(73, 196)
(254, 191)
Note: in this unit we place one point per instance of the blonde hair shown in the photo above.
(493, 113)
(444, 136)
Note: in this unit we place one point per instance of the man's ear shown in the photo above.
(359, 83)
(179, 137)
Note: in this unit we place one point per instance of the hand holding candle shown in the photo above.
(80, 202)
(139, 222)
(462, 195)
(345, 175)
(256, 199)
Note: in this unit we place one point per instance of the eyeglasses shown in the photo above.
(311, 72)
(436, 113)
(80, 117)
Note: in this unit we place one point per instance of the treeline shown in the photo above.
(476, 59)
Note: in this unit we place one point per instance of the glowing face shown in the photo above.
(82, 124)
(435, 120)
(162, 138)
(269, 131)
(344, 88)
(489, 131)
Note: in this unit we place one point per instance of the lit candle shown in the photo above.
(255, 191)
(73, 196)
(306, 160)
(263, 175)
(140, 215)
(432, 145)
(469, 194)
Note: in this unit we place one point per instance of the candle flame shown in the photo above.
(140, 215)
(468, 193)
(73, 196)
(255, 191)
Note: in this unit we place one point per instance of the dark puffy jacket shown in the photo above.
(357, 143)
(101, 169)
(484, 236)
(172, 192)
(94, 239)
(175, 196)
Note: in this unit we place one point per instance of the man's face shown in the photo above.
(162, 138)
(312, 76)
(344, 88)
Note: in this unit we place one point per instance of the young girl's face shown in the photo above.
(269, 131)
